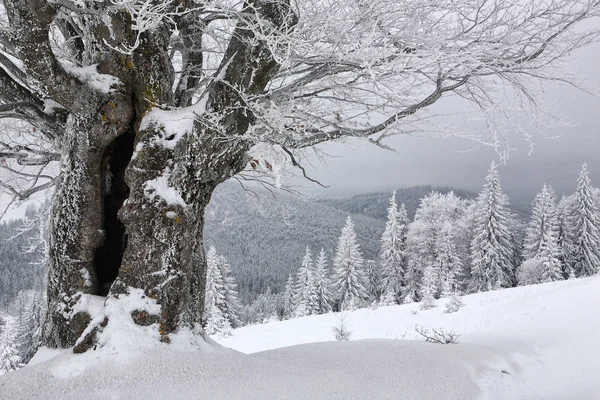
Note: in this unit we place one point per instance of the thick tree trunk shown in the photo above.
(75, 236)
(128, 215)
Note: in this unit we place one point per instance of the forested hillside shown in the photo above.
(20, 267)
(264, 235)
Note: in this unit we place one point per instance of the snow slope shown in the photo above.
(547, 336)
(537, 342)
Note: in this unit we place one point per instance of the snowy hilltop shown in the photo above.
(531, 342)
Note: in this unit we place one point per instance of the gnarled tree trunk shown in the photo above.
(128, 214)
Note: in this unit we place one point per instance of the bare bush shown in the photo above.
(438, 335)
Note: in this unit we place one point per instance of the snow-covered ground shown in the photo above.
(536, 342)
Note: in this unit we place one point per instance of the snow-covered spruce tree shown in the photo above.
(348, 281)
(214, 294)
(412, 279)
(148, 105)
(373, 281)
(428, 287)
(232, 304)
(449, 262)
(541, 237)
(564, 218)
(321, 285)
(586, 228)
(305, 293)
(9, 353)
(29, 328)
(288, 298)
(10, 359)
(491, 249)
(216, 322)
(392, 255)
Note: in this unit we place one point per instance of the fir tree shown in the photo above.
(30, 326)
(373, 284)
(428, 288)
(410, 292)
(288, 298)
(232, 303)
(586, 228)
(541, 237)
(491, 248)
(565, 244)
(216, 322)
(305, 294)
(448, 261)
(348, 262)
(321, 285)
(221, 303)
(10, 359)
(392, 254)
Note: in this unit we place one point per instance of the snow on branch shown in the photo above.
(145, 15)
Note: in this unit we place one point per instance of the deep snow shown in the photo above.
(536, 342)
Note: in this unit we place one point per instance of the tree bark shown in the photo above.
(128, 213)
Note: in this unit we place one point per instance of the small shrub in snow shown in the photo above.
(438, 335)
(454, 304)
(530, 272)
(341, 331)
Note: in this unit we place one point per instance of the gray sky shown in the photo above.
(360, 167)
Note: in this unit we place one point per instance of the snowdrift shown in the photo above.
(536, 342)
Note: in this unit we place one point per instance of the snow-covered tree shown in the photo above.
(9, 359)
(541, 236)
(288, 298)
(149, 105)
(412, 279)
(428, 287)
(232, 303)
(586, 228)
(216, 322)
(322, 284)
(564, 219)
(491, 248)
(305, 291)
(214, 295)
(449, 263)
(221, 303)
(348, 273)
(9, 354)
(433, 240)
(373, 282)
(392, 255)
(29, 326)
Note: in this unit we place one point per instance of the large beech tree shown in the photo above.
(135, 110)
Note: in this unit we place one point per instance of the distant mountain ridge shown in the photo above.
(375, 204)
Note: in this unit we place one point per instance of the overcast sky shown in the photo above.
(360, 167)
